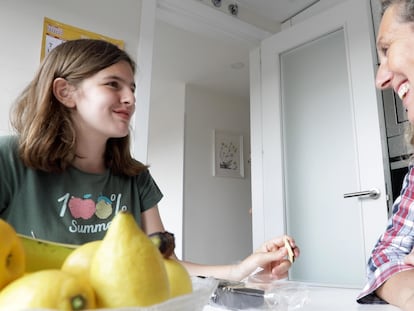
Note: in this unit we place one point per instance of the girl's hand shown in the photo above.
(271, 257)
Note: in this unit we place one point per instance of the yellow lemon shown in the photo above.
(52, 288)
(127, 268)
(79, 261)
(178, 277)
(12, 255)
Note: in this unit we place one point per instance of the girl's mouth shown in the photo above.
(125, 115)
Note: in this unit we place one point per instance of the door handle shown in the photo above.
(373, 194)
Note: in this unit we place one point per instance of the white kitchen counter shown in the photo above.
(331, 299)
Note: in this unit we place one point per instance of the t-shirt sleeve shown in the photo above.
(387, 257)
(149, 192)
(8, 170)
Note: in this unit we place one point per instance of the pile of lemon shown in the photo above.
(125, 269)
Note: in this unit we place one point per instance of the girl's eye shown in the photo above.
(113, 84)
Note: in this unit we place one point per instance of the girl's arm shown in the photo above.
(271, 256)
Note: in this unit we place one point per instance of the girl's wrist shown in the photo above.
(236, 272)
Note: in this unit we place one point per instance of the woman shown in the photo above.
(390, 268)
(69, 170)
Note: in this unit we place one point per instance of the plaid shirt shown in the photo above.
(394, 244)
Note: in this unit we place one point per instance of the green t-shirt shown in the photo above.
(72, 207)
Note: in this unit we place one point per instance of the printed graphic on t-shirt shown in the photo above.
(86, 208)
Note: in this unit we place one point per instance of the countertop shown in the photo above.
(328, 299)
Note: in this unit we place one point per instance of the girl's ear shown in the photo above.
(63, 92)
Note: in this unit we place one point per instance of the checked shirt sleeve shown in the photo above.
(387, 257)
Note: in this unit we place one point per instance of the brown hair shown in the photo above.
(47, 139)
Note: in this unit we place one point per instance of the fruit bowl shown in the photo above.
(203, 288)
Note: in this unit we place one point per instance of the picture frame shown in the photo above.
(228, 154)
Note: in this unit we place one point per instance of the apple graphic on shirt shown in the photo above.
(82, 207)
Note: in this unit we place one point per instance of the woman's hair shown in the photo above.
(406, 8)
(47, 137)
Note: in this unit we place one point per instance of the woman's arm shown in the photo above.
(398, 290)
(390, 270)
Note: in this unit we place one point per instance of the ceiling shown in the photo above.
(276, 10)
(185, 53)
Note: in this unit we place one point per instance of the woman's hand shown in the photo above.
(271, 257)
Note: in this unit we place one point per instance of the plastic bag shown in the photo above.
(259, 292)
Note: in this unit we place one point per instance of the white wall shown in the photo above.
(21, 28)
(181, 55)
(166, 152)
(208, 215)
(217, 222)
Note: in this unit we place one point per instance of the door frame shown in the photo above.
(354, 17)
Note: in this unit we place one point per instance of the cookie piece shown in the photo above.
(291, 254)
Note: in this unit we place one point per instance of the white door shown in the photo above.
(316, 136)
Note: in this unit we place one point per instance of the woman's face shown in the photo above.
(105, 103)
(395, 45)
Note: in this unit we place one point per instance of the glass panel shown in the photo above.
(320, 163)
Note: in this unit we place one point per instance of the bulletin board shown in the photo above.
(55, 33)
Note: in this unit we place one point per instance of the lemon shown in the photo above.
(178, 277)
(79, 261)
(52, 288)
(12, 255)
(127, 268)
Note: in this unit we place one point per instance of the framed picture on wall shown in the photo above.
(228, 154)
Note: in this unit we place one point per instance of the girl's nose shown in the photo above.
(128, 97)
(384, 76)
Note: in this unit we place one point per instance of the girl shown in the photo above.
(69, 169)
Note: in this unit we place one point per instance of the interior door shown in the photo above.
(316, 137)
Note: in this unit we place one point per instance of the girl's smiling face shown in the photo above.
(105, 102)
(395, 45)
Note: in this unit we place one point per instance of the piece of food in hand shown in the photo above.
(291, 254)
(165, 242)
(48, 289)
(12, 254)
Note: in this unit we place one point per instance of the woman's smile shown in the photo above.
(403, 90)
